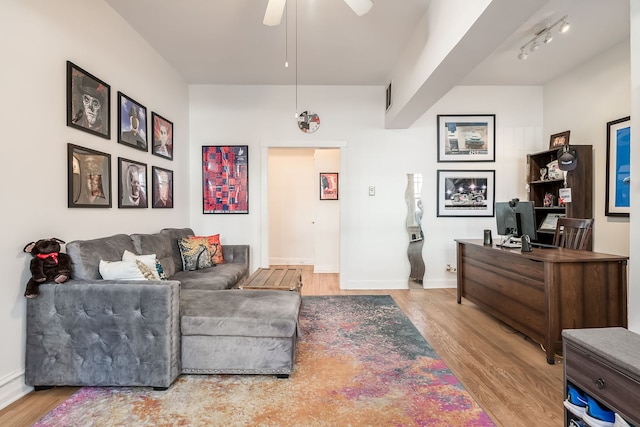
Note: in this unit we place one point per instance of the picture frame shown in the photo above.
(162, 136)
(225, 179)
(132, 184)
(618, 186)
(89, 178)
(466, 193)
(329, 186)
(162, 187)
(88, 102)
(132, 123)
(466, 137)
(557, 140)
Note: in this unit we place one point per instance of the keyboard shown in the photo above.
(543, 245)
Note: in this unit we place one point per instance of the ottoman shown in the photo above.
(239, 331)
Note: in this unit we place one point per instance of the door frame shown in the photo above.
(264, 190)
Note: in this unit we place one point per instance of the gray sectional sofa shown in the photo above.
(94, 332)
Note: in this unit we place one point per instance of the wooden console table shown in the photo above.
(542, 292)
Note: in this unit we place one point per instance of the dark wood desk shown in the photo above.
(542, 292)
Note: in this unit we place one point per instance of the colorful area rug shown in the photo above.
(360, 362)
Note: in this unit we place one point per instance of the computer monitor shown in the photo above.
(516, 218)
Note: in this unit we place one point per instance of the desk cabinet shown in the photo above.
(604, 363)
(542, 292)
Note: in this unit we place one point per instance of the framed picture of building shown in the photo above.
(225, 179)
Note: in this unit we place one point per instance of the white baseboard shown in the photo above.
(326, 269)
(12, 388)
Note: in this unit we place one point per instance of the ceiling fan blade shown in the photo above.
(273, 14)
(360, 7)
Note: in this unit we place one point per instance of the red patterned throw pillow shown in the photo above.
(215, 248)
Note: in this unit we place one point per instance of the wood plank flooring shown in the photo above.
(504, 371)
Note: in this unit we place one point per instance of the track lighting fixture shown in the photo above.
(533, 44)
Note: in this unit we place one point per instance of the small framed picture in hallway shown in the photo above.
(328, 186)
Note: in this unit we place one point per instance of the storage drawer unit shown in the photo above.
(605, 363)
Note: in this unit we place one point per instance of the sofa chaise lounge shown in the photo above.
(90, 331)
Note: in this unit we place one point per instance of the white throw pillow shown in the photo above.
(120, 270)
(148, 260)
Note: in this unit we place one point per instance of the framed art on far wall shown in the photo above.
(225, 179)
(89, 178)
(132, 184)
(162, 185)
(88, 102)
(466, 193)
(162, 136)
(466, 138)
(559, 139)
(618, 190)
(329, 186)
(132, 123)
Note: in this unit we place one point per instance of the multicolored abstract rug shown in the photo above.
(360, 362)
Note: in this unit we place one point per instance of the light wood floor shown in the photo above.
(506, 373)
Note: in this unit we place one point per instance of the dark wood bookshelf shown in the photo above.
(580, 180)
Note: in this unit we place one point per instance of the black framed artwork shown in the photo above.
(132, 184)
(466, 193)
(162, 135)
(328, 186)
(618, 189)
(132, 123)
(466, 138)
(89, 178)
(162, 187)
(225, 179)
(88, 102)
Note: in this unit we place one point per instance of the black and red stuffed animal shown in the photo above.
(48, 264)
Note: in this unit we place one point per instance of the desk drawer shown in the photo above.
(605, 384)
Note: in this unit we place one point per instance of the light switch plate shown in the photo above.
(372, 190)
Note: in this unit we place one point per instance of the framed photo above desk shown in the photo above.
(466, 193)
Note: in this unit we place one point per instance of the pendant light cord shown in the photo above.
(296, 58)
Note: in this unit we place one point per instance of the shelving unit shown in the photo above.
(579, 180)
(603, 363)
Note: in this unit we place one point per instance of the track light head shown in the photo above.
(534, 44)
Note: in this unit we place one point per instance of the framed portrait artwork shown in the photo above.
(466, 193)
(466, 138)
(559, 139)
(88, 102)
(618, 188)
(89, 178)
(225, 179)
(162, 136)
(132, 184)
(162, 185)
(329, 186)
(132, 123)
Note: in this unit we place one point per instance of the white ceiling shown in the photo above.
(225, 42)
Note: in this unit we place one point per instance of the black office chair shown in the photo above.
(573, 233)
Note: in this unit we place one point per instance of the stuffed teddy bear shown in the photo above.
(48, 264)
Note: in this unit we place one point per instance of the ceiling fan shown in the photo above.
(273, 14)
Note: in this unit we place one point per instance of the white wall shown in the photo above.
(39, 36)
(373, 236)
(583, 101)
